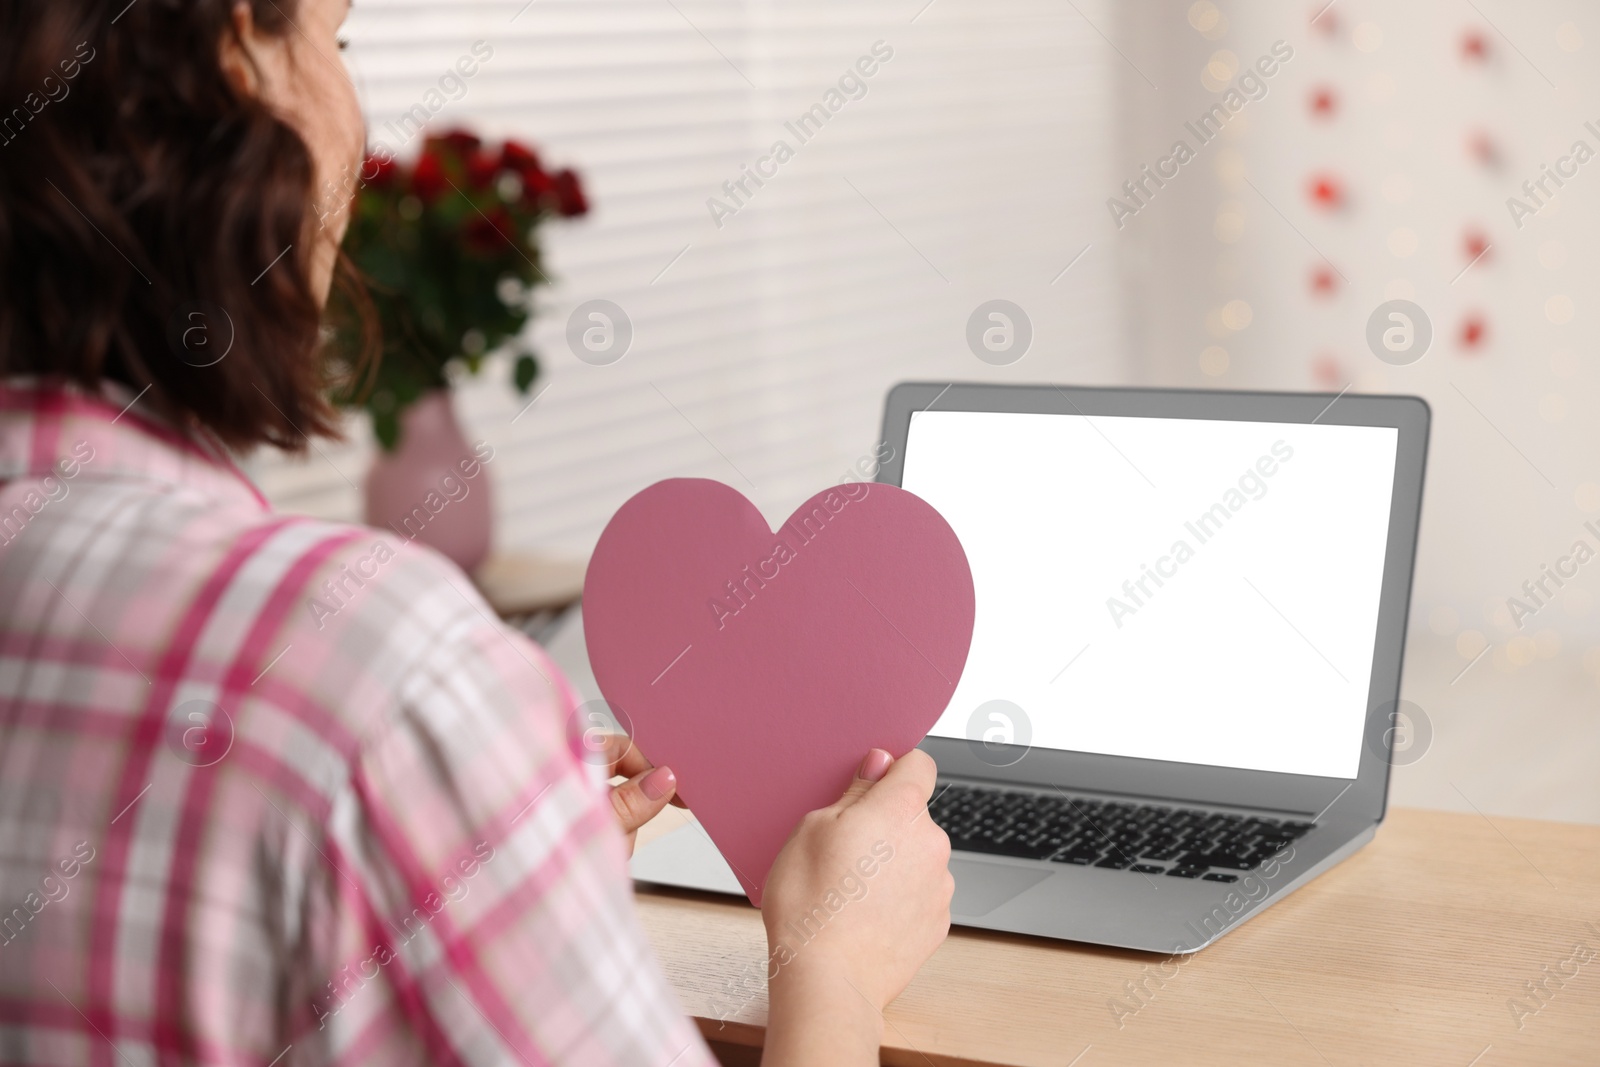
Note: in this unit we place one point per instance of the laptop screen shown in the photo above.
(1170, 589)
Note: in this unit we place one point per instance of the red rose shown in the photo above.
(489, 233)
(460, 142)
(482, 169)
(379, 171)
(518, 157)
(536, 188)
(428, 179)
(570, 200)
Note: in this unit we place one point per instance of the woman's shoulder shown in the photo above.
(315, 575)
(366, 620)
(350, 576)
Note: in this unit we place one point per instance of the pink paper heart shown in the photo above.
(761, 666)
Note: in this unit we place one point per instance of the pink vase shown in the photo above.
(434, 487)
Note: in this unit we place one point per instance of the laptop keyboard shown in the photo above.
(1142, 838)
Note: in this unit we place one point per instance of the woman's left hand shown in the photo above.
(647, 790)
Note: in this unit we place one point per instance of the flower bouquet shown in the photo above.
(448, 245)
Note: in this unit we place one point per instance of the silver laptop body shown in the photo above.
(1289, 791)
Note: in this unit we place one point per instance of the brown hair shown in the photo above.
(145, 209)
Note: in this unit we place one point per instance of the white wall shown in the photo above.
(1513, 465)
(1513, 471)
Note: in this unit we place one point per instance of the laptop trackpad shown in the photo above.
(983, 887)
(686, 857)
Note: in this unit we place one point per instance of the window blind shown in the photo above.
(972, 164)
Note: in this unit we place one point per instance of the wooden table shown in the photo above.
(1411, 952)
(531, 591)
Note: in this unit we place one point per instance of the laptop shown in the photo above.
(1185, 666)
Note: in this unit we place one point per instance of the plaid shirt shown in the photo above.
(280, 791)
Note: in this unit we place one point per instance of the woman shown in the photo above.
(233, 829)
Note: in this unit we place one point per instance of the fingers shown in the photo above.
(909, 782)
(916, 772)
(872, 769)
(641, 798)
(626, 759)
(615, 750)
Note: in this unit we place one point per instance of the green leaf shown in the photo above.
(386, 425)
(525, 371)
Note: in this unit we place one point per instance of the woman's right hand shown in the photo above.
(855, 903)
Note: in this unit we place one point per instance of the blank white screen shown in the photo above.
(1254, 651)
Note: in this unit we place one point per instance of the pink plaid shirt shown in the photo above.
(280, 791)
